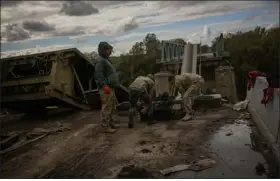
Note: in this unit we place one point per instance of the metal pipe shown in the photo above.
(200, 56)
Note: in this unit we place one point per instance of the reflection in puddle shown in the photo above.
(231, 146)
(234, 151)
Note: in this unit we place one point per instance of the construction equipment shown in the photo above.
(63, 78)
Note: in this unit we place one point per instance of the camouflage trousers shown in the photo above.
(108, 102)
(189, 96)
(144, 110)
(142, 96)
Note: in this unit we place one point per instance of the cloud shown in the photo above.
(15, 33)
(78, 8)
(28, 10)
(179, 4)
(7, 3)
(206, 32)
(112, 17)
(273, 25)
(88, 49)
(125, 22)
(110, 4)
(38, 49)
(251, 17)
(37, 26)
(207, 35)
(79, 30)
(131, 25)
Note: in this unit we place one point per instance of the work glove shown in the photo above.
(106, 89)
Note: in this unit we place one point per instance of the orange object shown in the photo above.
(106, 89)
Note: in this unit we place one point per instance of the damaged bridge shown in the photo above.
(62, 78)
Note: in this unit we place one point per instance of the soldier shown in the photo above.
(107, 80)
(141, 89)
(189, 86)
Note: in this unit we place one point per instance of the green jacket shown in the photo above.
(105, 73)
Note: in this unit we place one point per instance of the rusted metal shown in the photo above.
(57, 78)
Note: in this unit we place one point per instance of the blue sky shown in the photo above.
(44, 27)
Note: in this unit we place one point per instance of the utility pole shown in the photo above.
(200, 55)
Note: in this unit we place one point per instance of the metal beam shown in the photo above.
(171, 51)
(25, 97)
(26, 81)
(79, 82)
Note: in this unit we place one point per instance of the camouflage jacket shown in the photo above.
(185, 80)
(143, 84)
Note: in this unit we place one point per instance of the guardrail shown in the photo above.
(266, 117)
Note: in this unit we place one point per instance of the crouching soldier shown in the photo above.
(141, 89)
(189, 86)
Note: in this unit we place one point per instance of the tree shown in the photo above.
(91, 56)
(137, 49)
(152, 44)
(140, 60)
(180, 40)
(257, 49)
(204, 49)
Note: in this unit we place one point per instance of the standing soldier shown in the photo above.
(142, 89)
(107, 80)
(189, 86)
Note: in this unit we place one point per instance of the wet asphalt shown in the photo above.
(230, 147)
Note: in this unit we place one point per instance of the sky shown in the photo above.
(36, 26)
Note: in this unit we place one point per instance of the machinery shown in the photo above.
(166, 108)
(62, 78)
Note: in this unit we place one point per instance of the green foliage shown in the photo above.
(140, 60)
(257, 49)
(253, 50)
(180, 40)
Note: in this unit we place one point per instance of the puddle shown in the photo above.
(230, 147)
(133, 172)
(145, 150)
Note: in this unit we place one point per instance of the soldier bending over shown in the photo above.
(189, 86)
(141, 89)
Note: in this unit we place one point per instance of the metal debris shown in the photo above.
(21, 139)
(241, 105)
(195, 166)
(202, 164)
(245, 115)
(174, 169)
(229, 134)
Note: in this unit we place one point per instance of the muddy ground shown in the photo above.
(86, 152)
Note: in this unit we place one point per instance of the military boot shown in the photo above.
(187, 117)
(150, 122)
(110, 130)
(114, 125)
(131, 118)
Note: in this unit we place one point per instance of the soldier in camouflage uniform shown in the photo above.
(141, 89)
(107, 80)
(189, 86)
